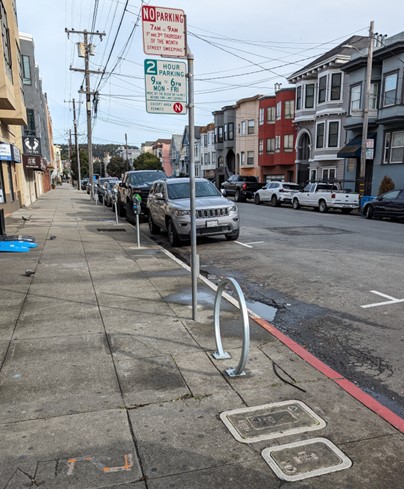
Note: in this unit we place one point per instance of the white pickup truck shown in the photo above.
(324, 196)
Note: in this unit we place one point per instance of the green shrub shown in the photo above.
(386, 185)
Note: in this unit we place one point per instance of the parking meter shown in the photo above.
(136, 204)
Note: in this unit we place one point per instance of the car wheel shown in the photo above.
(295, 204)
(233, 236)
(172, 234)
(257, 199)
(322, 206)
(368, 212)
(153, 228)
(274, 201)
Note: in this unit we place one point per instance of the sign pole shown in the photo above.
(191, 124)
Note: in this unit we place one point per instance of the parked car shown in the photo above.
(111, 190)
(324, 196)
(169, 209)
(136, 182)
(83, 184)
(276, 193)
(389, 204)
(241, 187)
(100, 188)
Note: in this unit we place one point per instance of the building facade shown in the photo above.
(225, 142)
(320, 114)
(247, 111)
(208, 153)
(277, 136)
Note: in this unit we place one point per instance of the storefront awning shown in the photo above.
(353, 148)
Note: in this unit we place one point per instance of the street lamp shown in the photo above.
(366, 96)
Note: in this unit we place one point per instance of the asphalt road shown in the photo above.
(323, 273)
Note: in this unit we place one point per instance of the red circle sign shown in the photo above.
(178, 108)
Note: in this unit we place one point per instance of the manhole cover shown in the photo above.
(309, 231)
(249, 425)
(304, 459)
(111, 230)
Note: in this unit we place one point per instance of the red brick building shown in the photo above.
(276, 136)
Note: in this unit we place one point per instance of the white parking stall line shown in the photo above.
(392, 300)
(249, 245)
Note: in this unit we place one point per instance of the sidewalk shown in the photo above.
(107, 382)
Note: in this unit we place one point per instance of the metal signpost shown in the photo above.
(164, 34)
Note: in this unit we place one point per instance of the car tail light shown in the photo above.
(282, 190)
(333, 196)
(244, 186)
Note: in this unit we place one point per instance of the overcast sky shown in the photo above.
(241, 48)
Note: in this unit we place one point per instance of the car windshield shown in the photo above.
(147, 177)
(181, 190)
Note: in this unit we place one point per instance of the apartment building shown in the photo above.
(208, 153)
(277, 136)
(247, 111)
(12, 111)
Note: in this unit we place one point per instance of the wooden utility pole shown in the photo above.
(366, 94)
(87, 51)
(76, 144)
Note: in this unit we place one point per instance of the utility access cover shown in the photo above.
(249, 425)
(304, 459)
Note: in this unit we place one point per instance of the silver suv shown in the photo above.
(276, 193)
(169, 209)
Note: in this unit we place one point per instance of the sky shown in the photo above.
(240, 48)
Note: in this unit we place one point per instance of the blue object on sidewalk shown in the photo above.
(16, 246)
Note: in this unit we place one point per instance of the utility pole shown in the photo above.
(87, 50)
(366, 94)
(70, 148)
(76, 143)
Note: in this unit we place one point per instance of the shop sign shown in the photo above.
(5, 152)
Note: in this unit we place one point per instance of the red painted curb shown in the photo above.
(345, 384)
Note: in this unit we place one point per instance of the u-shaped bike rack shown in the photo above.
(220, 354)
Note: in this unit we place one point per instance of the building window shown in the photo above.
(214, 157)
(333, 134)
(397, 147)
(277, 143)
(220, 134)
(271, 114)
(225, 134)
(231, 131)
(26, 70)
(278, 110)
(261, 117)
(309, 96)
(298, 98)
(322, 89)
(390, 89)
(355, 97)
(336, 79)
(320, 135)
(270, 145)
(373, 96)
(30, 128)
(251, 126)
(260, 146)
(5, 34)
(288, 142)
(250, 158)
(242, 158)
(243, 128)
(328, 174)
(289, 109)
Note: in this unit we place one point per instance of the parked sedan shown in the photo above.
(390, 204)
(83, 184)
(100, 188)
(170, 209)
(111, 190)
(276, 193)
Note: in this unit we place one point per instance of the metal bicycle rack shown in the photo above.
(220, 354)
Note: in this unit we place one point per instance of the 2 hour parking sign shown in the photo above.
(166, 86)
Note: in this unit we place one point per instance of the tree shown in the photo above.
(386, 185)
(117, 166)
(83, 164)
(147, 161)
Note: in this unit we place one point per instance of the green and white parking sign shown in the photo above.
(166, 86)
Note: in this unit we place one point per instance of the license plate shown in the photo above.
(212, 224)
